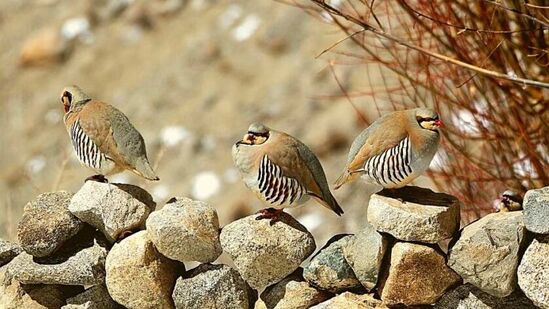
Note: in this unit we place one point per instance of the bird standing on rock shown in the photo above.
(281, 171)
(395, 149)
(103, 137)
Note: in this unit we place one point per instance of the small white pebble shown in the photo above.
(118, 178)
(160, 192)
(36, 164)
(229, 17)
(310, 220)
(78, 27)
(174, 135)
(247, 28)
(205, 185)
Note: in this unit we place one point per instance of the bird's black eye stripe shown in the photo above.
(420, 119)
(68, 95)
(266, 134)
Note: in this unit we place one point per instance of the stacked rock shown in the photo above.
(504, 255)
(106, 247)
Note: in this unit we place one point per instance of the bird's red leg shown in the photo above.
(98, 178)
(269, 213)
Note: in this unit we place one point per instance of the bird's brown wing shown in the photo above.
(298, 162)
(383, 134)
(95, 120)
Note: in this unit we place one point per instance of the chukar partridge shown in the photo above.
(281, 171)
(395, 149)
(102, 137)
(509, 201)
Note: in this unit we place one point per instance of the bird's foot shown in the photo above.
(269, 213)
(98, 178)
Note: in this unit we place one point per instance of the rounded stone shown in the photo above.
(138, 276)
(213, 286)
(263, 253)
(533, 272)
(47, 224)
(186, 230)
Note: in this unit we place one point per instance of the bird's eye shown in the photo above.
(68, 96)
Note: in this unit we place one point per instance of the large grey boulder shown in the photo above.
(533, 272)
(263, 253)
(487, 252)
(47, 224)
(138, 276)
(8, 250)
(418, 275)
(293, 292)
(414, 214)
(114, 209)
(468, 296)
(186, 230)
(81, 261)
(213, 286)
(536, 210)
(364, 253)
(328, 269)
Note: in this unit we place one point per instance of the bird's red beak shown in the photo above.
(438, 123)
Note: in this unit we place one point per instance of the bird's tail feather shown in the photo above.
(330, 203)
(343, 179)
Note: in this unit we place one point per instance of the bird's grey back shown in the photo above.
(313, 164)
(129, 141)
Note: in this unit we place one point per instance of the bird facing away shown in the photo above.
(281, 171)
(509, 201)
(102, 137)
(394, 150)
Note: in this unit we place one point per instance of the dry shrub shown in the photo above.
(484, 65)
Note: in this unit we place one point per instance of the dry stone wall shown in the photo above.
(107, 247)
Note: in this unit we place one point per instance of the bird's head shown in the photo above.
(428, 119)
(510, 196)
(257, 134)
(73, 96)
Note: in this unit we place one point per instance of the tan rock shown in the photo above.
(264, 254)
(328, 269)
(349, 300)
(47, 224)
(213, 286)
(487, 252)
(533, 272)
(418, 275)
(186, 230)
(364, 253)
(138, 276)
(293, 292)
(415, 214)
(114, 209)
(14, 295)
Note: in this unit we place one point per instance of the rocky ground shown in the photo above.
(74, 252)
(191, 75)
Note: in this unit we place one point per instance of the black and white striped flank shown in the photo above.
(392, 166)
(275, 187)
(86, 150)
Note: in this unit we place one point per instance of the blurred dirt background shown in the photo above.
(191, 76)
